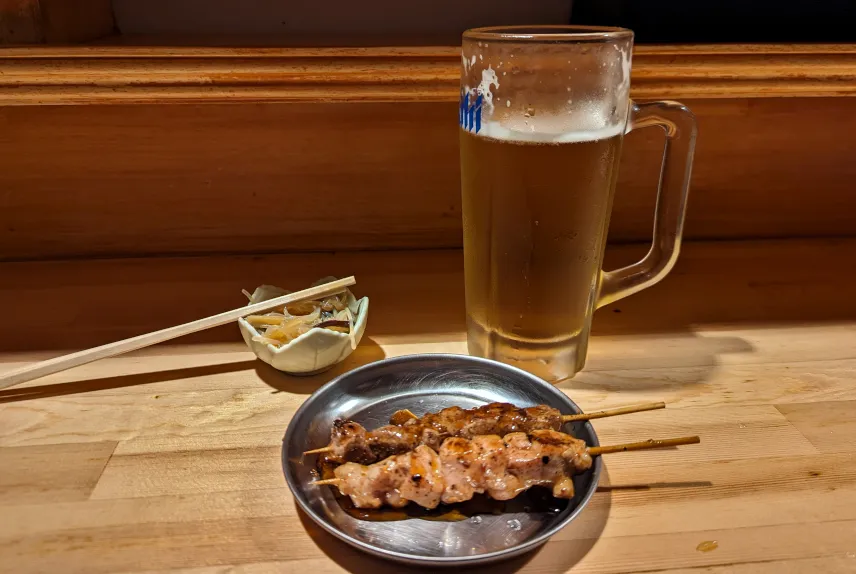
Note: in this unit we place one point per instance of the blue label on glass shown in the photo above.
(469, 112)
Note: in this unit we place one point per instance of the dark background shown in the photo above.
(713, 21)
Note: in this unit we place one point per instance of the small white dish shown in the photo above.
(314, 351)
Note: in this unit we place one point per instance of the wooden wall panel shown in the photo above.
(54, 21)
(20, 22)
(77, 304)
(187, 179)
(445, 18)
(146, 179)
(764, 168)
(69, 21)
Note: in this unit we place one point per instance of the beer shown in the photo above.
(535, 213)
(542, 114)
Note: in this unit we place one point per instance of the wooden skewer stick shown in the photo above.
(644, 445)
(333, 481)
(596, 450)
(58, 364)
(404, 414)
(614, 412)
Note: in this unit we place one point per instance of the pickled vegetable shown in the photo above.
(286, 324)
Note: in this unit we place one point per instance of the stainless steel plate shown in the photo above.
(427, 383)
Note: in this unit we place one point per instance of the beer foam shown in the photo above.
(549, 129)
(488, 80)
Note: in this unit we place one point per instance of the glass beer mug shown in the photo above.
(542, 115)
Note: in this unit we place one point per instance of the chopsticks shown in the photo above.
(64, 362)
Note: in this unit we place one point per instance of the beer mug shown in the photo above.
(542, 116)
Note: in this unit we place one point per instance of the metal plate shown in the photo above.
(428, 383)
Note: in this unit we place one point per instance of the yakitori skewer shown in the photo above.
(406, 415)
(351, 442)
(643, 445)
(614, 412)
(500, 467)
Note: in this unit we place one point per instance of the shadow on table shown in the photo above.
(120, 381)
(561, 553)
(655, 362)
(368, 351)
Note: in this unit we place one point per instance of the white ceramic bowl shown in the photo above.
(312, 352)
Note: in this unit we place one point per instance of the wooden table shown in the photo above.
(168, 460)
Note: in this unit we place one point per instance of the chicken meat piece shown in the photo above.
(350, 442)
(502, 467)
(414, 476)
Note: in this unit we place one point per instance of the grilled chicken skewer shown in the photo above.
(405, 416)
(501, 467)
(351, 442)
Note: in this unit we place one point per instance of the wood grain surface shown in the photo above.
(167, 460)
(101, 181)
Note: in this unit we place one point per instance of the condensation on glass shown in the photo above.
(543, 113)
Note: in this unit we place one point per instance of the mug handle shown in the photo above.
(680, 126)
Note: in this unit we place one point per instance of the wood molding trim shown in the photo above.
(127, 75)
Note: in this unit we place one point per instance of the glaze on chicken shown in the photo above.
(501, 467)
(351, 442)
